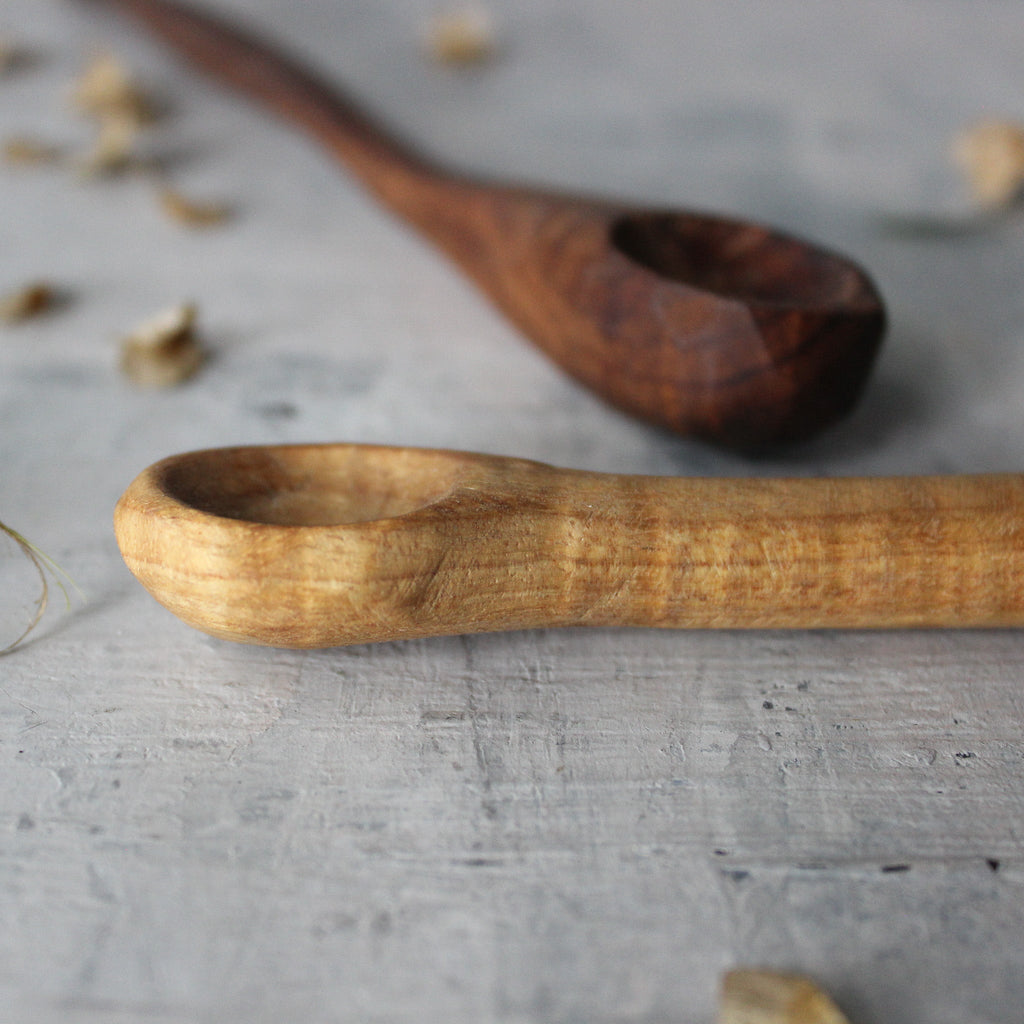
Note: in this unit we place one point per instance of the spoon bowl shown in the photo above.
(737, 261)
(320, 545)
(333, 485)
(716, 328)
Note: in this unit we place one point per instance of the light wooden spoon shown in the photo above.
(318, 545)
(715, 327)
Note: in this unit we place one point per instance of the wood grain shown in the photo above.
(717, 328)
(319, 545)
(752, 996)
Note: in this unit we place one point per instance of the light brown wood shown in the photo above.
(768, 997)
(320, 545)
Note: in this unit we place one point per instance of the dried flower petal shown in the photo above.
(191, 213)
(163, 351)
(106, 90)
(461, 36)
(991, 155)
(22, 149)
(26, 302)
(765, 997)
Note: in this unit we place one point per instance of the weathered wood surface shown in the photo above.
(578, 825)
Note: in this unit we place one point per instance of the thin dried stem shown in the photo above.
(42, 563)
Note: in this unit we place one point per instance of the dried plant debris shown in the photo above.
(190, 212)
(26, 150)
(121, 109)
(991, 156)
(461, 36)
(28, 301)
(44, 566)
(106, 89)
(163, 351)
(766, 997)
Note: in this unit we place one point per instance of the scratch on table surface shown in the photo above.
(31, 712)
(116, 1011)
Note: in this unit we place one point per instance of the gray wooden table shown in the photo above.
(555, 826)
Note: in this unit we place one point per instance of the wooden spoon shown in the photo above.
(713, 327)
(317, 545)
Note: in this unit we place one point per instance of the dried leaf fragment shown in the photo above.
(23, 149)
(28, 301)
(163, 351)
(766, 997)
(107, 90)
(189, 212)
(991, 156)
(461, 36)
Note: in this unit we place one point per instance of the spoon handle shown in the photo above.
(392, 171)
(798, 553)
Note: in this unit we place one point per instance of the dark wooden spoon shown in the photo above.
(716, 328)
